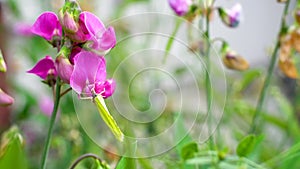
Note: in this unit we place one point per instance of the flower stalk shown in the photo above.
(89, 155)
(207, 78)
(257, 113)
(51, 125)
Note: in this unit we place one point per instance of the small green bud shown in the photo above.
(2, 63)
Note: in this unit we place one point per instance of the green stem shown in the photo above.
(52, 120)
(207, 79)
(255, 120)
(171, 39)
(78, 160)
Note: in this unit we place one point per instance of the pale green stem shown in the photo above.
(255, 120)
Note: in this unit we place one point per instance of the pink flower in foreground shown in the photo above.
(91, 29)
(231, 17)
(44, 68)
(180, 7)
(89, 76)
(5, 99)
(47, 26)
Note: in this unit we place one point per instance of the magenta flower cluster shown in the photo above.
(82, 43)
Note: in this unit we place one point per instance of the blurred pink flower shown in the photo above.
(23, 29)
(89, 76)
(231, 17)
(180, 7)
(5, 99)
(47, 26)
(44, 68)
(46, 105)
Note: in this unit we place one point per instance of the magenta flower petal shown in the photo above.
(108, 39)
(180, 7)
(92, 23)
(44, 67)
(100, 38)
(109, 88)
(89, 68)
(5, 99)
(47, 26)
(74, 52)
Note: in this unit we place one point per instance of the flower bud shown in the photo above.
(68, 23)
(63, 65)
(69, 18)
(231, 17)
(5, 99)
(2, 63)
(233, 61)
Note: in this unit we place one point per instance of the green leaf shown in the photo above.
(14, 7)
(126, 163)
(181, 134)
(246, 146)
(145, 164)
(249, 77)
(12, 150)
(108, 118)
(189, 150)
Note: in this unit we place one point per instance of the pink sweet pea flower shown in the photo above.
(44, 68)
(47, 26)
(93, 30)
(231, 17)
(5, 99)
(180, 7)
(89, 76)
